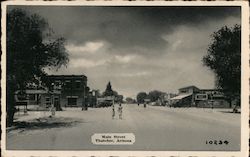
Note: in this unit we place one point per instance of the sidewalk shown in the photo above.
(224, 115)
(35, 120)
(196, 109)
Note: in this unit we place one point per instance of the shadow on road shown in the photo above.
(45, 123)
(230, 112)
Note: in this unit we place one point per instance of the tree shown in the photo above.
(30, 49)
(97, 93)
(109, 91)
(224, 59)
(154, 95)
(130, 100)
(141, 96)
(119, 99)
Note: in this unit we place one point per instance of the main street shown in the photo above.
(155, 128)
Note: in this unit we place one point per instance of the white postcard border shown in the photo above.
(244, 81)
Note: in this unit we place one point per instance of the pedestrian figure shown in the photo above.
(138, 104)
(113, 111)
(144, 105)
(53, 111)
(120, 111)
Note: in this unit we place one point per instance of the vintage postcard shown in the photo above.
(105, 78)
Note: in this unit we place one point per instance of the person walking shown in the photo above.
(113, 112)
(120, 111)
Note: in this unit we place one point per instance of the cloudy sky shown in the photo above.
(138, 48)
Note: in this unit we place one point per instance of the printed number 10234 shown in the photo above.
(217, 142)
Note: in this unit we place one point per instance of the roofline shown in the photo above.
(211, 89)
(189, 87)
(66, 76)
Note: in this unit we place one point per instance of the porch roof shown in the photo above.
(179, 97)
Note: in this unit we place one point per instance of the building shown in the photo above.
(212, 98)
(105, 101)
(185, 97)
(38, 99)
(188, 90)
(167, 98)
(192, 96)
(74, 89)
(92, 98)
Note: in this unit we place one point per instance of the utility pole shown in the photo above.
(83, 98)
(212, 100)
(52, 100)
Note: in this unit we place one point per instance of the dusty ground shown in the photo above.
(154, 127)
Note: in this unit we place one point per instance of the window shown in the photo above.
(78, 84)
(67, 84)
(57, 84)
(32, 97)
(183, 91)
(201, 97)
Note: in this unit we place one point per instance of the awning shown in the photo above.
(35, 91)
(179, 97)
(38, 91)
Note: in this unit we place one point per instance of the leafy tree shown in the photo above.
(119, 98)
(130, 100)
(30, 49)
(154, 95)
(224, 59)
(115, 93)
(141, 96)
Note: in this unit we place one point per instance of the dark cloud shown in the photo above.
(138, 48)
(127, 27)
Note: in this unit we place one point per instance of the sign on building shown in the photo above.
(201, 97)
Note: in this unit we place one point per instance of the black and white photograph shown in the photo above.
(125, 77)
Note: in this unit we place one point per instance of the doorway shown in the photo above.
(72, 101)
